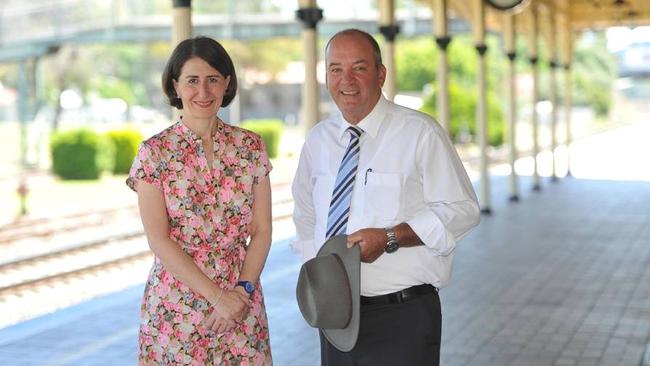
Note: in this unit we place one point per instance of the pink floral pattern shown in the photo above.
(209, 210)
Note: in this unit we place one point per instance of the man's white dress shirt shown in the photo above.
(408, 172)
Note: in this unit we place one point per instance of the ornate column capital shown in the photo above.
(309, 16)
(182, 3)
(481, 49)
(443, 42)
(389, 32)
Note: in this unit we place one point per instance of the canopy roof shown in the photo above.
(579, 14)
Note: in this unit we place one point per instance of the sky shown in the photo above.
(621, 37)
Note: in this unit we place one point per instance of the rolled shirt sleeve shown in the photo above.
(451, 207)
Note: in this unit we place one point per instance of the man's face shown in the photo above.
(353, 79)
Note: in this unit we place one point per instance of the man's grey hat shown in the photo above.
(328, 292)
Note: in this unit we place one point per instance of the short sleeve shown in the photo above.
(261, 159)
(146, 167)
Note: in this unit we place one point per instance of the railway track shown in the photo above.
(62, 265)
(46, 227)
(43, 227)
(69, 263)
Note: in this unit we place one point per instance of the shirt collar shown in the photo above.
(185, 132)
(369, 124)
(181, 129)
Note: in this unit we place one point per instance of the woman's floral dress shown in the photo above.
(209, 211)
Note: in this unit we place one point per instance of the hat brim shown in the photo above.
(346, 338)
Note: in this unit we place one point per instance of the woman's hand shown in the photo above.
(233, 305)
(230, 307)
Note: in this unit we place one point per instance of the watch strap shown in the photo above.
(248, 286)
(391, 243)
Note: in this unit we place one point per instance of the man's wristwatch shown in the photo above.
(391, 244)
(248, 286)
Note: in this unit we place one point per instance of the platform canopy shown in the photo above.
(579, 14)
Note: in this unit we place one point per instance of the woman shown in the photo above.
(203, 191)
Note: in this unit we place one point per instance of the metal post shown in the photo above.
(481, 107)
(23, 109)
(23, 115)
(567, 48)
(553, 64)
(554, 101)
(181, 21)
(309, 14)
(389, 30)
(568, 102)
(23, 191)
(509, 41)
(532, 54)
(234, 109)
(181, 30)
(442, 40)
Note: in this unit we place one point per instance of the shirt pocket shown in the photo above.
(383, 195)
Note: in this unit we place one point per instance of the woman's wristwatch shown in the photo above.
(248, 286)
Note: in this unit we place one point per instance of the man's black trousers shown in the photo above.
(404, 334)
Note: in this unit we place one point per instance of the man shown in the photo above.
(389, 177)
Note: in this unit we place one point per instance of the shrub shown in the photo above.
(126, 142)
(80, 154)
(462, 112)
(270, 130)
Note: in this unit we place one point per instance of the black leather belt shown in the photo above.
(399, 296)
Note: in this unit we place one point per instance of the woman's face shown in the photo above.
(201, 89)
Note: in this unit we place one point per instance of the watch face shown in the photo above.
(247, 285)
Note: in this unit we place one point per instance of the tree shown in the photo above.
(66, 68)
(594, 72)
(416, 67)
(417, 63)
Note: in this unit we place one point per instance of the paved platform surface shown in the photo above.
(561, 277)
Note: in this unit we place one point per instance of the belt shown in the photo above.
(399, 296)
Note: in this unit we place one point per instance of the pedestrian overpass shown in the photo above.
(23, 36)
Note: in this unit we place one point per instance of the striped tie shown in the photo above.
(337, 218)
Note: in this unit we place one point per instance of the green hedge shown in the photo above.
(270, 130)
(126, 142)
(80, 154)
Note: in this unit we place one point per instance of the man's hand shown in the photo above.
(372, 243)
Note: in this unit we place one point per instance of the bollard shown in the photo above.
(22, 191)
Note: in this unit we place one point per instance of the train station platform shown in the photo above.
(561, 277)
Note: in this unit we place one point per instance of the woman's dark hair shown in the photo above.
(209, 51)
